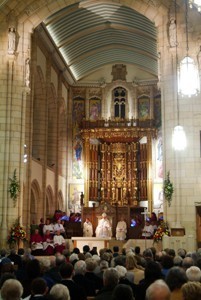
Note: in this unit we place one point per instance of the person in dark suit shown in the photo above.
(39, 289)
(76, 291)
(80, 279)
(110, 281)
(14, 257)
(91, 265)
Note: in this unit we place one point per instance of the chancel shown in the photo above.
(90, 87)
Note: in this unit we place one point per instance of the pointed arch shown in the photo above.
(60, 201)
(35, 201)
(49, 198)
(39, 108)
(52, 127)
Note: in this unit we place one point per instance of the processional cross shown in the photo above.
(145, 213)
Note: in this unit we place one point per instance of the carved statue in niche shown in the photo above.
(172, 33)
(119, 166)
(12, 37)
(11, 40)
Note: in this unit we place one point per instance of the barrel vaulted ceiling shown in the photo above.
(96, 35)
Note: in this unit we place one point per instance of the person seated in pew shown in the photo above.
(59, 242)
(36, 243)
(59, 226)
(48, 243)
(48, 226)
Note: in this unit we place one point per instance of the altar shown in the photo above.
(97, 242)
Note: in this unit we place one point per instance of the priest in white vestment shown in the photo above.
(87, 228)
(104, 229)
(121, 230)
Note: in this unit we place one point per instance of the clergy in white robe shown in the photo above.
(87, 228)
(103, 229)
(148, 230)
(121, 230)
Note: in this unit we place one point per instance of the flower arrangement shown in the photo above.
(168, 188)
(17, 232)
(14, 187)
(161, 231)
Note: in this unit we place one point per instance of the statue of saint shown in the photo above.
(11, 40)
(172, 33)
(27, 72)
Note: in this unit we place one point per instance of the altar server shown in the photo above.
(87, 228)
(121, 230)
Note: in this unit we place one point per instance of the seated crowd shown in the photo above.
(109, 275)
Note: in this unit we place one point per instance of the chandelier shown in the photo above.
(189, 82)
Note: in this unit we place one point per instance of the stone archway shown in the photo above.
(35, 205)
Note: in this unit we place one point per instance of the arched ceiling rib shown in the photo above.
(89, 37)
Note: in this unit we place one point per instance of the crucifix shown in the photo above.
(145, 213)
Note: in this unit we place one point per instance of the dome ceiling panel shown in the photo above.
(91, 36)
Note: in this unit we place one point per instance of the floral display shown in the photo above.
(17, 232)
(168, 189)
(161, 231)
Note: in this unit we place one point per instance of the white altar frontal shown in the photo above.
(97, 242)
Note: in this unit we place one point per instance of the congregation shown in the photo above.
(84, 274)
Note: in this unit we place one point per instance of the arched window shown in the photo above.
(119, 96)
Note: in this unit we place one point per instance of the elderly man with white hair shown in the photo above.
(103, 229)
(11, 289)
(79, 278)
(110, 280)
(158, 291)
(193, 273)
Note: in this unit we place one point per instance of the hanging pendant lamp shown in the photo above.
(189, 82)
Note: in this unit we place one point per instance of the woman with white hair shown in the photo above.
(60, 292)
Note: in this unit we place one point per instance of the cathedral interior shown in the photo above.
(91, 94)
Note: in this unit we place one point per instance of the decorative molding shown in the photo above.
(154, 3)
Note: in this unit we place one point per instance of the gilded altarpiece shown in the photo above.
(117, 166)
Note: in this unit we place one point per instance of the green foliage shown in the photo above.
(168, 189)
(14, 187)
